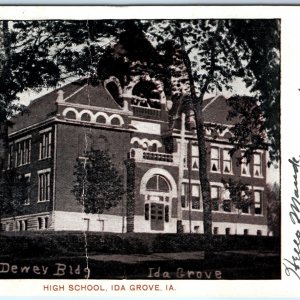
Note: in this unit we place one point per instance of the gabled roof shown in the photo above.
(91, 95)
(215, 110)
(78, 92)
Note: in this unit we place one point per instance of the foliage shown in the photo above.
(195, 58)
(272, 194)
(37, 54)
(13, 192)
(72, 244)
(249, 130)
(262, 74)
(98, 186)
(240, 194)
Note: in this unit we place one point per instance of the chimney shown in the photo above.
(60, 97)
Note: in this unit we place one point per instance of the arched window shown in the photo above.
(154, 147)
(71, 115)
(145, 146)
(158, 183)
(147, 90)
(113, 89)
(101, 119)
(135, 145)
(86, 117)
(115, 121)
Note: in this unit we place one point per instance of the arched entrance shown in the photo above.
(158, 188)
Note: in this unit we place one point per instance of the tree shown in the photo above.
(13, 193)
(98, 185)
(262, 75)
(207, 55)
(273, 200)
(195, 58)
(241, 197)
(37, 54)
(249, 129)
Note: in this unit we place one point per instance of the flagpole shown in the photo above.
(180, 173)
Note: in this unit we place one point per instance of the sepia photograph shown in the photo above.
(140, 149)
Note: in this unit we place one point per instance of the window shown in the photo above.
(44, 185)
(23, 152)
(27, 189)
(215, 197)
(87, 223)
(101, 224)
(147, 211)
(227, 205)
(245, 203)
(258, 233)
(184, 195)
(158, 183)
(227, 231)
(156, 211)
(40, 223)
(257, 167)
(23, 225)
(167, 215)
(216, 230)
(45, 145)
(215, 160)
(154, 147)
(46, 222)
(246, 231)
(197, 229)
(245, 167)
(257, 202)
(43, 222)
(195, 196)
(113, 89)
(195, 157)
(227, 165)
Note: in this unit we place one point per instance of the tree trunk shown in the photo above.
(205, 186)
(4, 69)
(197, 105)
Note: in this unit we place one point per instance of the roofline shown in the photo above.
(33, 126)
(57, 120)
(212, 101)
(97, 108)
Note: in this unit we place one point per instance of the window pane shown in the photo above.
(195, 190)
(152, 183)
(227, 166)
(146, 211)
(195, 151)
(257, 159)
(214, 192)
(227, 205)
(167, 213)
(215, 153)
(162, 184)
(226, 155)
(195, 203)
(257, 202)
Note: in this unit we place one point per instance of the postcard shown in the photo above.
(149, 151)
